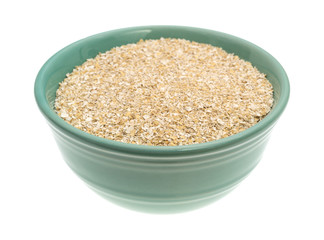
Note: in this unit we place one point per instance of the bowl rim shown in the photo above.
(57, 122)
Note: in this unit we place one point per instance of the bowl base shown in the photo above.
(161, 207)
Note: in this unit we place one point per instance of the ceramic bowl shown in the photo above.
(151, 178)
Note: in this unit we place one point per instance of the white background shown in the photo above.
(41, 198)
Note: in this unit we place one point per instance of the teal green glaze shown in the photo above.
(159, 179)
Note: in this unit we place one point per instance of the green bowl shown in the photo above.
(159, 179)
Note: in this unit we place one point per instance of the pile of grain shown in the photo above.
(164, 92)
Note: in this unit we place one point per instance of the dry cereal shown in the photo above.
(164, 92)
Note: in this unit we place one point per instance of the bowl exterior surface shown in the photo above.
(159, 179)
(171, 183)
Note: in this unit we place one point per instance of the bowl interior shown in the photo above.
(63, 62)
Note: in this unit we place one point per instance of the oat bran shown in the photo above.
(164, 92)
